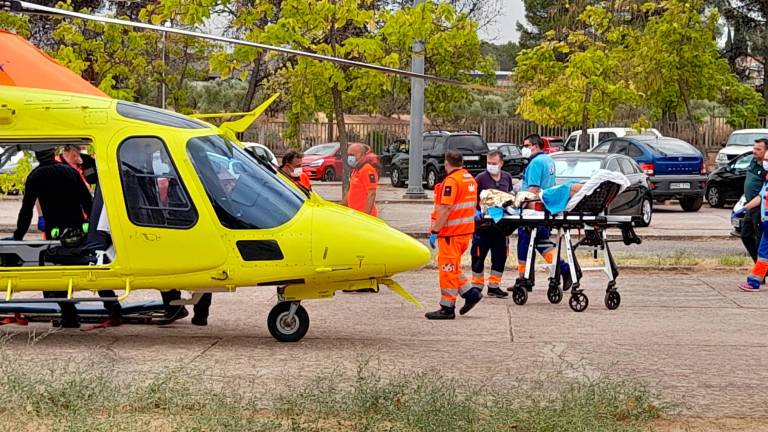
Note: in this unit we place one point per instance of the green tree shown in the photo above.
(504, 55)
(14, 23)
(749, 20)
(676, 61)
(452, 50)
(589, 86)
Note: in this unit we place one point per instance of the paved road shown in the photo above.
(693, 337)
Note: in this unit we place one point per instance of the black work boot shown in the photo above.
(471, 298)
(497, 292)
(444, 313)
(200, 320)
(66, 323)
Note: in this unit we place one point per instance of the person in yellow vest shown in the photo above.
(453, 223)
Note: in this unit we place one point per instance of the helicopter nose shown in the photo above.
(344, 237)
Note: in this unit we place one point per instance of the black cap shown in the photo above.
(45, 155)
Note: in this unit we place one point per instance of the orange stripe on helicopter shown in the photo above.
(24, 65)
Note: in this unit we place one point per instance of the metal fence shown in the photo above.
(708, 135)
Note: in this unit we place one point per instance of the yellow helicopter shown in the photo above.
(188, 209)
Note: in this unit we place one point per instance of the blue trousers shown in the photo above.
(544, 245)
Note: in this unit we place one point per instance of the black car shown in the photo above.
(436, 143)
(636, 200)
(514, 161)
(399, 146)
(726, 184)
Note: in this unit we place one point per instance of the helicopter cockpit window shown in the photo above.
(244, 194)
(157, 116)
(154, 193)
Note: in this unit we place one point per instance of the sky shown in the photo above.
(504, 29)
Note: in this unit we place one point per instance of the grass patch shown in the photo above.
(735, 261)
(92, 397)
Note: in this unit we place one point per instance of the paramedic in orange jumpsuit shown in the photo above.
(363, 182)
(291, 167)
(453, 224)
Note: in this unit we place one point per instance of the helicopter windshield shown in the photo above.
(244, 194)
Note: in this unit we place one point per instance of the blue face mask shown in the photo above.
(351, 161)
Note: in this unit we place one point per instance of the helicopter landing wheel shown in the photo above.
(578, 302)
(288, 322)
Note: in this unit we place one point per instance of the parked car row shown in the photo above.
(660, 168)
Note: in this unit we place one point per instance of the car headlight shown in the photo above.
(316, 163)
(721, 157)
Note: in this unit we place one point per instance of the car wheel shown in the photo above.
(329, 175)
(646, 213)
(431, 178)
(396, 177)
(691, 204)
(714, 197)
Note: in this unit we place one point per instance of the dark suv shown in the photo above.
(436, 143)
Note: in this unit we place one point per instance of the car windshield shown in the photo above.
(244, 194)
(470, 143)
(577, 168)
(745, 139)
(323, 149)
(669, 146)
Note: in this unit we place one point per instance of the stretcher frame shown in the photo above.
(593, 220)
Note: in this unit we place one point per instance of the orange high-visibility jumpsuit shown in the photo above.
(362, 180)
(459, 191)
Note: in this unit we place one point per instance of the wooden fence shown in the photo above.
(708, 135)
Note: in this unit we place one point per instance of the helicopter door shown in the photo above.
(165, 233)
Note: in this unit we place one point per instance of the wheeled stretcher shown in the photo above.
(589, 216)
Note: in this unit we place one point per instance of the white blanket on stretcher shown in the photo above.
(597, 178)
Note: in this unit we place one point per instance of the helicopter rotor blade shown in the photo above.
(26, 7)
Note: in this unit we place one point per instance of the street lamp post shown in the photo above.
(415, 189)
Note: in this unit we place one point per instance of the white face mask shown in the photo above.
(493, 169)
(526, 151)
(297, 172)
(765, 165)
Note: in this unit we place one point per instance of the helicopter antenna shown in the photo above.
(32, 8)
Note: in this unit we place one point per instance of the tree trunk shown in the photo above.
(585, 138)
(329, 131)
(338, 111)
(253, 83)
(689, 112)
(765, 81)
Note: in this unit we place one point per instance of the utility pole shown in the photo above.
(415, 161)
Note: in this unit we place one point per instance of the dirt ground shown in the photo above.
(693, 338)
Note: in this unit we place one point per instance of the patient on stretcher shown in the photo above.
(555, 200)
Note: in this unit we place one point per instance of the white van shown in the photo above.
(598, 135)
(738, 143)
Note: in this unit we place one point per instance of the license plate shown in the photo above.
(679, 185)
(471, 158)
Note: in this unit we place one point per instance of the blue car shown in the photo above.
(675, 169)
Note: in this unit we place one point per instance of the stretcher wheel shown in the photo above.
(578, 302)
(554, 294)
(612, 300)
(519, 296)
(286, 329)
